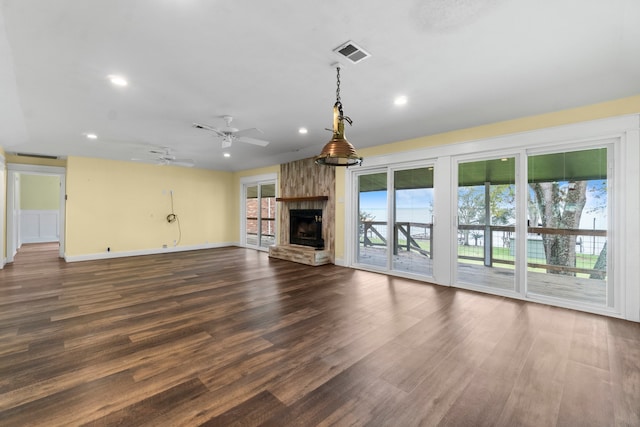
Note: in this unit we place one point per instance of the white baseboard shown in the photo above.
(339, 261)
(109, 255)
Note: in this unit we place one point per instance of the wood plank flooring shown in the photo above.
(230, 337)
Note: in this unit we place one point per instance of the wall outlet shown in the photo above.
(175, 243)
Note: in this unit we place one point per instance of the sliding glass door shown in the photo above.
(260, 214)
(486, 230)
(568, 208)
(413, 221)
(564, 221)
(546, 216)
(395, 220)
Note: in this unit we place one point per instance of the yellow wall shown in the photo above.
(618, 107)
(39, 192)
(124, 205)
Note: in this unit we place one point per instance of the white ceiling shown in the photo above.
(461, 63)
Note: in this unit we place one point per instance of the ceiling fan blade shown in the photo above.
(254, 141)
(158, 152)
(207, 127)
(248, 131)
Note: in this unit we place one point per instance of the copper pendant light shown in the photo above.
(338, 151)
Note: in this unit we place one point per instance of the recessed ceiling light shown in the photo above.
(303, 130)
(227, 155)
(91, 136)
(118, 80)
(400, 100)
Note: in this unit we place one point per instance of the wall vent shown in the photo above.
(352, 52)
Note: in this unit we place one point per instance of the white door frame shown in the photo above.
(13, 207)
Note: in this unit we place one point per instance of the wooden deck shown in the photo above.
(575, 289)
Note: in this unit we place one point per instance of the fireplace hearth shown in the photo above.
(305, 227)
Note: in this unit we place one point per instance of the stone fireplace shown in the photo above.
(306, 189)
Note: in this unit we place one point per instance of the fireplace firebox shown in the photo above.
(305, 227)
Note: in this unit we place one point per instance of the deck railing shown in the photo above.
(535, 248)
(408, 232)
(408, 236)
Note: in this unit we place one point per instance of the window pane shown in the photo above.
(486, 223)
(413, 210)
(567, 213)
(268, 215)
(372, 219)
(251, 215)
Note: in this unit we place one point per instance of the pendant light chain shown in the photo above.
(338, 101)
(338, 85)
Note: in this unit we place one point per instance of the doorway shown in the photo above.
(47, 223)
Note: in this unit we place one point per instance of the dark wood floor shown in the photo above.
(231, 337)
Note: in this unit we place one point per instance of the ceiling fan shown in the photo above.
(164, 156)
(230, 134)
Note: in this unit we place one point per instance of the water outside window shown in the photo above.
(413, 229)
(372, 220)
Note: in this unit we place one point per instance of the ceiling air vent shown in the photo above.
(352, 52)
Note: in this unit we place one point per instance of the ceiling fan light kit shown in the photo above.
(338, 151)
